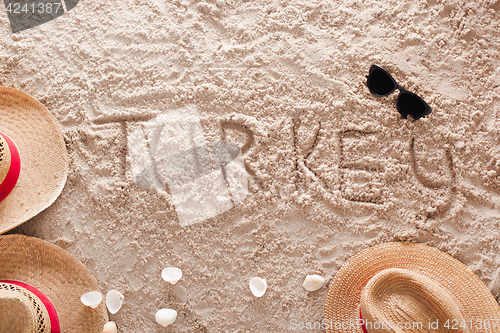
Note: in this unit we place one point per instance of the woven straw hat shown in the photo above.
(40, 289)
(408, 287)
(29, 130)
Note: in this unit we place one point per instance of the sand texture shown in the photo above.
(332, 169)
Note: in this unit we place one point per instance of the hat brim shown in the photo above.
(44, 158)
(58, 275)
(342, 302)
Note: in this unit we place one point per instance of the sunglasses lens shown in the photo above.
(411, 104)
(380, 83)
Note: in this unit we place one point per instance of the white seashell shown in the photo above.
(110, 327)
(114, 301)
(92, 299)
(171, 274)
(313, 282)
(258, 286)
(165, 317)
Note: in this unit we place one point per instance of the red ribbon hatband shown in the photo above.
(12, 176)
(54, 320)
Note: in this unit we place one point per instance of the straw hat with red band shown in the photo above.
(40, 289)
(25, 309)
(408, 287)
(10, 165)
(33, 158)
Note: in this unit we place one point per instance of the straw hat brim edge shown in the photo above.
(342, 302)
(56, 273)
(25, 121)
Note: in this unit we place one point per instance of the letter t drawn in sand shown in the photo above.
(205, 179)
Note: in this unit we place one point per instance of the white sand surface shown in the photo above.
(332, 169)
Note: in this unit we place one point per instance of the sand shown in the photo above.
(332, 169)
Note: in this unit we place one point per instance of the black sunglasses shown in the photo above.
(382, 84)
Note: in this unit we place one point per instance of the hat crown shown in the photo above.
(397, 295)
(15, 316)
(21, 311)
(5, 158)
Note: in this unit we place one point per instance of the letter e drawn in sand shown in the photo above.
(204, 179)
(360, 167)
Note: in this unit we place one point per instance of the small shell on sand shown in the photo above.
(92, 299)
(313, 282)
(114, 301)
(258, 286)
(165, 317)
(110, 327)
(171, 274)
